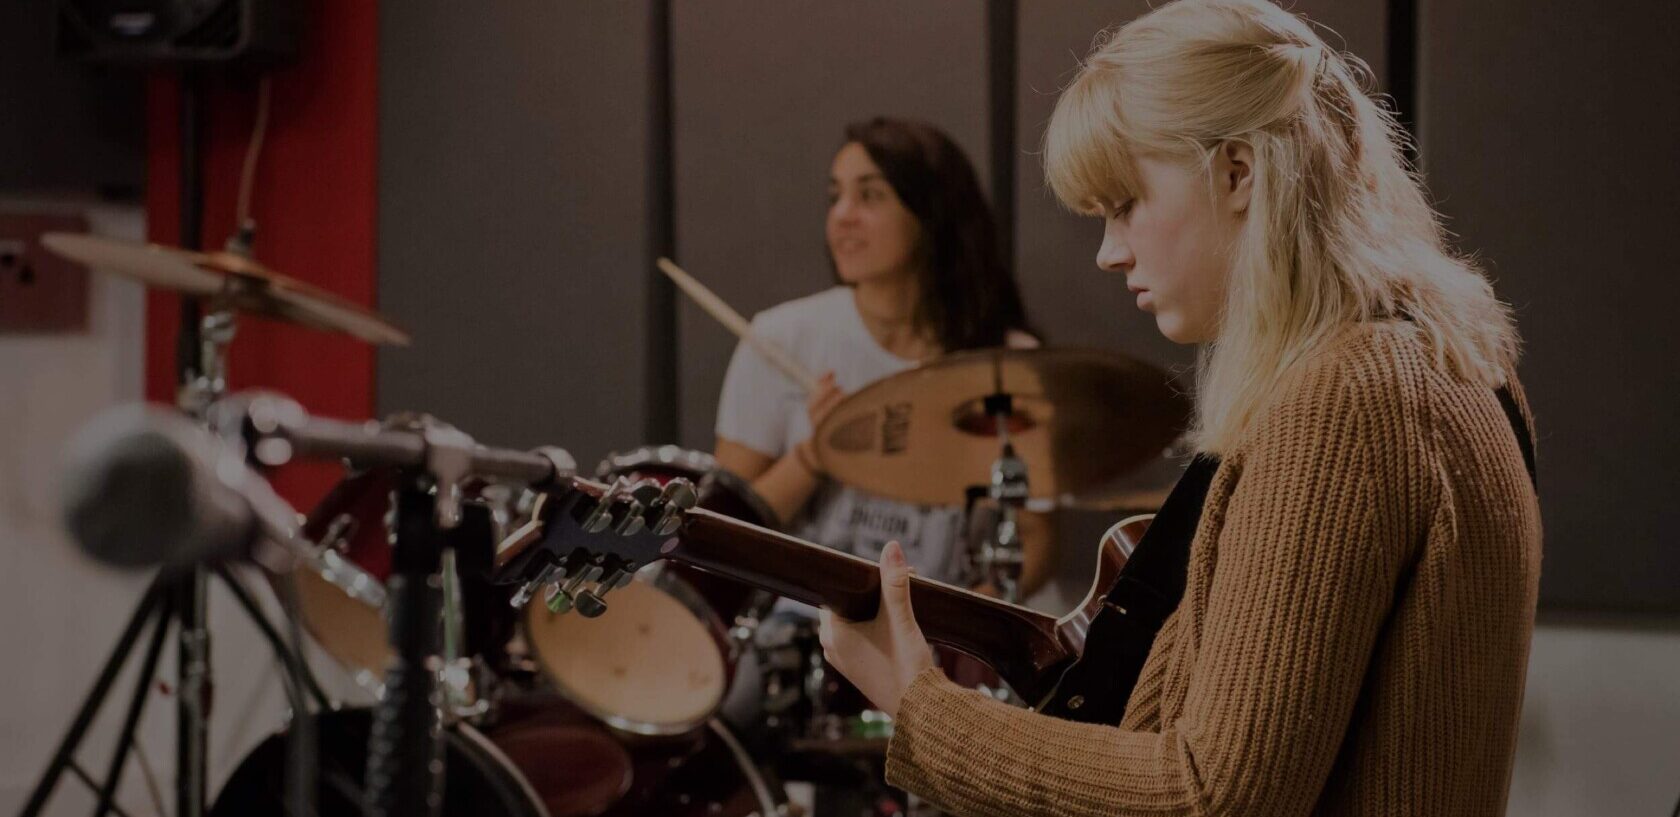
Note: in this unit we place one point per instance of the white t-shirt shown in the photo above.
(764, 410)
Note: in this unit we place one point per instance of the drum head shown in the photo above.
(348, 629)
(652, 665)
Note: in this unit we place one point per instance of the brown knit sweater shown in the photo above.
(1352, 640)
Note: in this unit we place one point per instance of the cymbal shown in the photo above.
(229, 280)
(1081, 420)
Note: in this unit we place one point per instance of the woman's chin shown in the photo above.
(852, 275)
(1171, 328)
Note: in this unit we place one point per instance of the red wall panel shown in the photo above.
(313, 201)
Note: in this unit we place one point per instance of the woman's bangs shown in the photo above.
(1086, 160)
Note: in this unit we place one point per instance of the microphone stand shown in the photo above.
(405, 746)
(178, 597)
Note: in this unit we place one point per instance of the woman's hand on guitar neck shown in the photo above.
(882, 656)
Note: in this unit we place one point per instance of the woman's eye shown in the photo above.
(1123, 209)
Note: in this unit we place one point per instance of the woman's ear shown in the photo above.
(1234, 173)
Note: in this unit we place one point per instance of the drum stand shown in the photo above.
(1001, 558)
(178, 597)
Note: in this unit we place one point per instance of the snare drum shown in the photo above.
(662, 657)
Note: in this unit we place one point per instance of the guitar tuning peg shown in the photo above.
(616, 578)
(561, 598)
(669, 521)
(528, 590)
(632, 522)
(677, 497)
(680, 493)
(601, 516)
(589, 604)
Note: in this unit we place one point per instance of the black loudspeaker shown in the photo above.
(249, 32)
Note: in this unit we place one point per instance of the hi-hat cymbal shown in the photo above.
(229, 281)
(1081, 420)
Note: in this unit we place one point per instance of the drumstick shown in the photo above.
(727, 316)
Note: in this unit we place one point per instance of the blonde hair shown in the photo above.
(1338, 231)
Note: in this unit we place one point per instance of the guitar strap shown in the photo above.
(1151, 585)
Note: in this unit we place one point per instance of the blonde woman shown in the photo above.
(1360, 586)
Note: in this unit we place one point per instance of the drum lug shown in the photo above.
(340, 531)
(460, 692)
(742, 633)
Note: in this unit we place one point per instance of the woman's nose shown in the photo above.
(843, 209)
(1115, 255)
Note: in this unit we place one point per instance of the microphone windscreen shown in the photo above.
(139, 489)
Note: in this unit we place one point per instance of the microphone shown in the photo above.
(143, 486)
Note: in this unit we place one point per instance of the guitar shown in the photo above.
(585, 539)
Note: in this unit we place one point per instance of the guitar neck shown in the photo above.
(1022, 645)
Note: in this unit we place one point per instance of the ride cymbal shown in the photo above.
(1081, 419)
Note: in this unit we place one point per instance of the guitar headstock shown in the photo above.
(583, 539)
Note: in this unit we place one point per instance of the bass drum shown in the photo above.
(545, 758)
(661, 659)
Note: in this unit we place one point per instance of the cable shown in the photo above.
(300, 757)
(248, 173)
(149, 774)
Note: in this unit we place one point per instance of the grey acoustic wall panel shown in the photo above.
(1548, 135)
(762, 93)
(512, 211)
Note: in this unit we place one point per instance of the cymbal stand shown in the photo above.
(1001, 558)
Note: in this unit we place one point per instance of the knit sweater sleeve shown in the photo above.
(1325, 515)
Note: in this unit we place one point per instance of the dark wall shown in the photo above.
(1548, 135)
(511, 218)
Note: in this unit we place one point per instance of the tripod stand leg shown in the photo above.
(193, 703)
(95, 698)
(242, 594)
(136, 705)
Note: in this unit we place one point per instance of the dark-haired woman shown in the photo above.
(915, 250)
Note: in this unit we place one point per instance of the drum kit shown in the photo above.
(550, 707)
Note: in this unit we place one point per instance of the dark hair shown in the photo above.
(967, 296)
